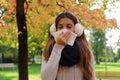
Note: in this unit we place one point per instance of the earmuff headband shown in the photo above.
(78, 29)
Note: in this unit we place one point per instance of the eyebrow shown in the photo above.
(69, 24)
(59, 25)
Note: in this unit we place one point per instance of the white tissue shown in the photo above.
(71, 39)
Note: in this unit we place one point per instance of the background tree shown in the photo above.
(41, 12)
(45, 12)
(117, 58)
(98, 43)
(110, 54)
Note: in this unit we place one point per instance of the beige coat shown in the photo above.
(51, 70)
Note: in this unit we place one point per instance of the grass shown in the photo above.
(12, 74)
(34, 71)
(109, 67)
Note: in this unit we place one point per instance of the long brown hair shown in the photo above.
(85, 52)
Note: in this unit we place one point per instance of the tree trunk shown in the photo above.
(2, 61)
(97, 59)
(33, 58)
(22, 40)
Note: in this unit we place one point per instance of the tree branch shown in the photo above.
(61, 5)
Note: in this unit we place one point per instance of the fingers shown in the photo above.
(66, 36)
(63, 38)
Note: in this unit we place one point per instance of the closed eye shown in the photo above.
(60, 27)
(69, 26)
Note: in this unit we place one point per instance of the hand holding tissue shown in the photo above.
(71, 39)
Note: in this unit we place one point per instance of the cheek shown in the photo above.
(72, 29)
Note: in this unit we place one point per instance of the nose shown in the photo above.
(64, 27)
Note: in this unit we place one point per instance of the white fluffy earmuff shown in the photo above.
(52, 29)
(78, 29)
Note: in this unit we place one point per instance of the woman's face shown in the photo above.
(66, 23)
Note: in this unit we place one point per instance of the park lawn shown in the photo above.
(34, 71)
(110, 67)
(12, 74)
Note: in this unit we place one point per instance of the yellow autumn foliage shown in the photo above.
(41, 12)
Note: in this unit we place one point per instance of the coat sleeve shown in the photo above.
(49, 68)
(93, 66)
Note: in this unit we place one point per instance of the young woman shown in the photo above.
(61, 61)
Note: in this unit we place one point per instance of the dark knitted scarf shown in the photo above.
(70, 55)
